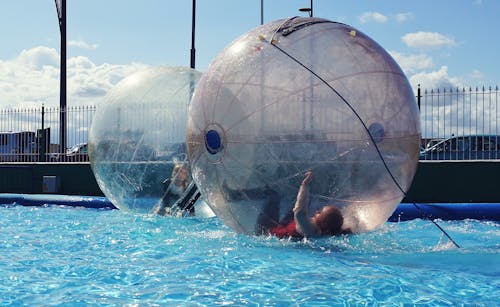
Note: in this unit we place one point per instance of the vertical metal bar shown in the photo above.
(482, 117)
(418, 97)
(20, 136)
(453, 128)
(304, 103)
(489, 110)
(15, 140)
(477, 111)
(261, 12)
(43, 141)
(78, 124)
(422, 123)
(448, 125)
(458, 119)
(470, 121)
(496, 122)
(432, 107)
(458, 112)
(193, 31)
(438, 97)
(489, 124)
(424, 132)
(62, 91)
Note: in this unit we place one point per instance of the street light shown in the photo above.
(61, 15)
(311, 87)
(308, 9)
(261, 12)
(193, 30)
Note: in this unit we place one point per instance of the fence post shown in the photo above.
(418, 97)
(42, 139)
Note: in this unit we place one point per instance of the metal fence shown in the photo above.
(457, 124)
(460, 123)
(32, 134)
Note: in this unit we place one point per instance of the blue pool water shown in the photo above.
(75, 256)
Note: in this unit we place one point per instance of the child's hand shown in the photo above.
(308, 178)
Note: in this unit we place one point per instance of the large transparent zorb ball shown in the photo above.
(137, 138)
(303, 94)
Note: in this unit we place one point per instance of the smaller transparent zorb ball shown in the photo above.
(137, 139)
(303, 94)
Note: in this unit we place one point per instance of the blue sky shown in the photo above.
(438, 43)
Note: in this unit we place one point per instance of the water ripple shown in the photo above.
(67, 256)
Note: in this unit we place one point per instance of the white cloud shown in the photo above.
(478, 78)
(427, 40)
(372, 17)
(88, 82)
(477, 75)
(411, 63)
(438, 79)
(32, 78)
(82, 44)
(402, 17)
(417, 66)
(38, 57)
(381, 18)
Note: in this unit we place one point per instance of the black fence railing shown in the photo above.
(460, 123)
(457, 124)
(32, 134)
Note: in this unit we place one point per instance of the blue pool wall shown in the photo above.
(39, 200)
(434, 182)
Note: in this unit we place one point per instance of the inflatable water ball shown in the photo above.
(303, 94)
(137, 139)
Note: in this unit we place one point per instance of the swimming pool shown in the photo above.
(59, 255)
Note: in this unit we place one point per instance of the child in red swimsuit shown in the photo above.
(326, 222)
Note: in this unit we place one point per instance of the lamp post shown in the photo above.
(61, 14)
(261, 12)
(308, 9)
(311, 87)
(193, 25)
